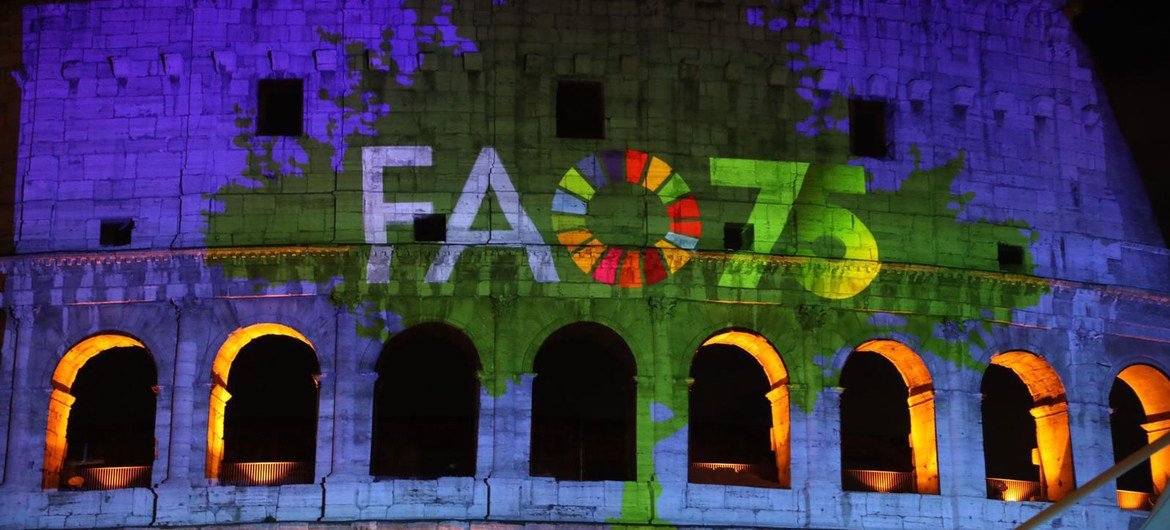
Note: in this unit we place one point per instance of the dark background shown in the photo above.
(1129, 41)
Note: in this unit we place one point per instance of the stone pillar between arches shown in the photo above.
(781, 433)
(485, 437)
(217, 404)
(323, 457)
(60, 405)
(512, 426)
(923, 442)
(962, 468)
(162, 433)
(25, 452)
(1160, 461)
(353, 425)
(1054, 446)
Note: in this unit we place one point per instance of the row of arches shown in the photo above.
(264, 394)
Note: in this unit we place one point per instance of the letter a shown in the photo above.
(489, 172)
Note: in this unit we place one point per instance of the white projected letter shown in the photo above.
(489, 172)
(377, 213)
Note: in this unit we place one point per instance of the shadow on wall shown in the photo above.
(11, 67)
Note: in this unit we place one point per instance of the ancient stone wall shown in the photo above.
(152, 204)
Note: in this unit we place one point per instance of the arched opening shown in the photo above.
(100, 432)
(1139, 405)
(1027, 448)
(739, 420)
(426, 405)
(888, 439)
(583, 406)
(263, 424)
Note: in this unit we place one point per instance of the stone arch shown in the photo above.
(776, 373)
(1152, 388)
(584, 405)
(533, 345)
(370, 350)
(61, 399)
(920, 402)
(430, 408)
(1050, 413)
(221, 369)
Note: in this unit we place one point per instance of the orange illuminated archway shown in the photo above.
(1050, 411)
(778, 396)
(1153, 391)
(61, 400)
(220, 369)
(920, 400)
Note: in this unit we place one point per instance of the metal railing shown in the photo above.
(265, 473)
(878, 481)
(1158, 519)
(1006, 489)
(732, 474)
(110, 478)
(722, 466)
(1134, 500)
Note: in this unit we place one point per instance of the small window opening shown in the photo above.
(426, 405)
(868, 133)
(280, 107)
(110, 436)
(875, 426)
(1009, 437)
(116, 232)
(270, 422)
(583, 406)
(581, 109)
(1011, 257)
(738, 236)
(731, 420)
(430, 227)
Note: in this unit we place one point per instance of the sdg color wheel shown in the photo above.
(612, 264)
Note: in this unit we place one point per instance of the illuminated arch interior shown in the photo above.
(775, 391)
(920, 402)
(1152, 388)
(61, 400)
(220, 370)
(1050, 412)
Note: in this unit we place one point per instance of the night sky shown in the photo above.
(1130, 44)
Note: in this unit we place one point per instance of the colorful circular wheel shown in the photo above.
(611, 264)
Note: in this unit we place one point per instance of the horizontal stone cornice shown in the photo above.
(408, 255)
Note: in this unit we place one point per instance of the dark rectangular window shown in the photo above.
(868, 135)
(280, 107)
(1011, 257)
(580, 109)
(116, 232)
(738, 236)
(430, 227)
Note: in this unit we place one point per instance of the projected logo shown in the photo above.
(839, 253)
(627, 219)
(644, 183)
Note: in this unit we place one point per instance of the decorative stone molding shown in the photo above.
(811, 316)
(503, 302)
(661, 307)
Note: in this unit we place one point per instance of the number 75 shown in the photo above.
(783, 197)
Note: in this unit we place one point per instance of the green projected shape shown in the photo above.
(779, 184)
(610, 264)
(782, 189)
(807, 217)
(847, 274)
